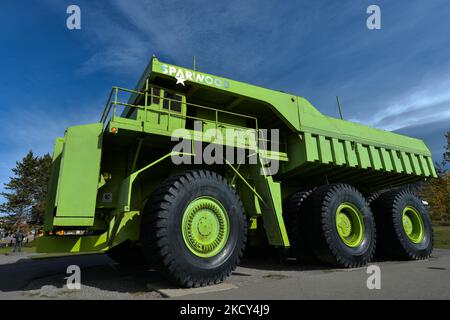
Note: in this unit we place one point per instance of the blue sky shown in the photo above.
(396, 78)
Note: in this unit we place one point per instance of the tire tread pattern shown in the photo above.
(386, 207)
(155, 237)
(320, 234)
(296, 225)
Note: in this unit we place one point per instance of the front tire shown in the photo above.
(194, 228)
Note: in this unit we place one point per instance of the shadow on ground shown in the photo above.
(101, 272)
(97, 271)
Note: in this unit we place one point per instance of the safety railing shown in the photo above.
(113, 102)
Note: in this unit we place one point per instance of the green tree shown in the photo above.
(26, 190)
(40, 188)
(447, 150)
(437, 191)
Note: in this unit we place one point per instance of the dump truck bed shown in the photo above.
(355, 153)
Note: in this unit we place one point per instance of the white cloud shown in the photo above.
(218, 34)
(427, 102)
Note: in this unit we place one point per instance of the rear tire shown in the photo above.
(403, 226)
(194, 228)
(297, 223)
(342, 227)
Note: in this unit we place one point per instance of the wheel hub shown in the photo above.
(344, 225)
(413, 225)
(407, 224)
(205, 227)
(349, 225)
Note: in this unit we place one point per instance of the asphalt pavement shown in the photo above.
(25, 277)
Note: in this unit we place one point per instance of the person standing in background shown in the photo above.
(18, 236)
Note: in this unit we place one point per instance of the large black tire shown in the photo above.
(127, 254)
(322, 232)
(296, 221)
(162, 236)
(393, 241)
(372, 197)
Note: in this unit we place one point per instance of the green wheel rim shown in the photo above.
(349, 225)
(205, 227)
(413, 224)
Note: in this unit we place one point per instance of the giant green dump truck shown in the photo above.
(188, 169)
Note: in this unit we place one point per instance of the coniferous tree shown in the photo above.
(25, 193)
(437, 191)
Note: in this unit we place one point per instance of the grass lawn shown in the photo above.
(30, 248)
(442, 237)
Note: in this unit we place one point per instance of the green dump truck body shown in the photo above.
(314, 140)
(104, 173)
